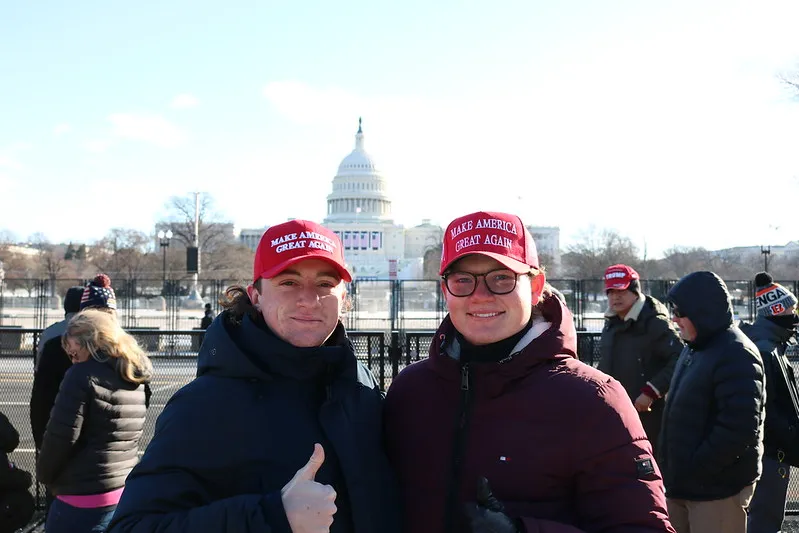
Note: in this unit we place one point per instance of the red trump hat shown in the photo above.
(291, 242)
(619, 277)
(499, 236)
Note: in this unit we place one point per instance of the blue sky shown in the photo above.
(663, 120)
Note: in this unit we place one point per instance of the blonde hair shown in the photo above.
(101, 335)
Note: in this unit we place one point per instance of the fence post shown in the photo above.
(579, 302)
(2, 302)
(39, 304)
(381, 343)
(394, 353)
(395, 303)
(353, 311)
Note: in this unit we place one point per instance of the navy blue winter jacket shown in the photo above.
(227, 442)
(711, 442)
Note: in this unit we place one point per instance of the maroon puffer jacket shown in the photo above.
(559, 442)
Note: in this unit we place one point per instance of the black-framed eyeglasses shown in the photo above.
(499, 281)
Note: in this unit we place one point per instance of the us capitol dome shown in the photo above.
(359, 211)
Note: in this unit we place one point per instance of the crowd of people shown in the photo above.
(688, 424)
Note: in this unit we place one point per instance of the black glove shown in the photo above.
(487, 514)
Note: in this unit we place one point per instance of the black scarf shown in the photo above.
(277, 357)
(788, 322)
(490, 353)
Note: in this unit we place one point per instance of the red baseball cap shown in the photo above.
(619, 277)
(291, 242)
(499, 236)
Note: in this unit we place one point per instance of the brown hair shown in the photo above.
(237, 303)
(547, 291)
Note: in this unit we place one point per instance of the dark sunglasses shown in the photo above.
(676, 312)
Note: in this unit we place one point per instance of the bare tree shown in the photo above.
(39, 241)
(596, 250)
(431, 262)
(228, 261)
(681, 260)
(180, 219)
(548, 262)
(21, 272)
(124, 253)
(7, 237)
(51, 265)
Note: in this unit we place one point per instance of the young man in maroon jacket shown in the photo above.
(503, 405)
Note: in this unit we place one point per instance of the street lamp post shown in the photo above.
(163, 240)
(766, 251)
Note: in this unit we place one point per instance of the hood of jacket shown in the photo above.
(250, 350)
(703, 298)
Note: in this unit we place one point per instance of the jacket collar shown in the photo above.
(634, 311)
(551, 339)
(251, 350)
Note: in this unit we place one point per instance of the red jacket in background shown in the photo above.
(559, 442)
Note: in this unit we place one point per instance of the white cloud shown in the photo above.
(97, 145)
(61, 129)
(148, 128)
(185, 101)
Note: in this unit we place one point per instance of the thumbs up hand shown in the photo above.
(309, 505)
(486, 515)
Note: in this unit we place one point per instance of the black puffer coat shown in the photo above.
(227, 442)
(711, 443)
(50, 369)
(92, 439)
(782, 404)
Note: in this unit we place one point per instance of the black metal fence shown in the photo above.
(389, 305)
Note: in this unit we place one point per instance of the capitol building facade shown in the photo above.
(359, 211)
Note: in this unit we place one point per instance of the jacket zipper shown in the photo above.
(458, 449)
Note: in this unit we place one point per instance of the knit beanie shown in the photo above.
(72, 299)
(771, 298)
(98, 293)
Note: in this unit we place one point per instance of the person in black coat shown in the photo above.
(711, 442)
(775, 327)
(281, 431)
(16, 502)
(54, 362)
(208, 317)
